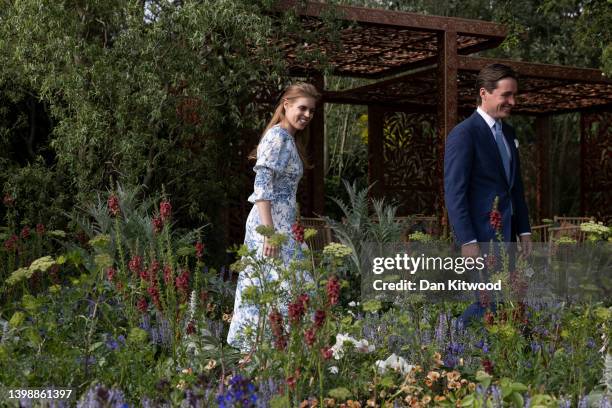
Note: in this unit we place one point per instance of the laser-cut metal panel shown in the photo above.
(410, 155)
(596, 165)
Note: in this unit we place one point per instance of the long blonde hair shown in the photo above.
(297, 90)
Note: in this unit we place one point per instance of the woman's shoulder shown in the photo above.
(276, 134)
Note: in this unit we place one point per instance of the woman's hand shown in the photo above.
(269, 250)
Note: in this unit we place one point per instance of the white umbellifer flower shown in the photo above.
(352, 303)
(333, 369)
(395, 363)
(193, 303)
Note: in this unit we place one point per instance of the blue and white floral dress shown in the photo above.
(278, 173)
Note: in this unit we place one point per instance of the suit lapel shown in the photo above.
(489, 142)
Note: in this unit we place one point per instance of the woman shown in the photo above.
(279, 168)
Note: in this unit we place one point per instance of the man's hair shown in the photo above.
(489, 76)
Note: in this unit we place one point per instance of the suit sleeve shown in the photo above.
(458, 157)
(522, 213)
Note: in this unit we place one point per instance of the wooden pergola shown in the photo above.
(423, 66)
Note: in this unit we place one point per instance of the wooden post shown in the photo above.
(376, 169)
(543, 180)
(316, 153)
(447, 108)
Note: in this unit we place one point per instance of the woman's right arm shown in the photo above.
(264, 208)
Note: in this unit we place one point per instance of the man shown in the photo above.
(481, 163)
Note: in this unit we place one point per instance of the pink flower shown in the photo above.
(327, 353)
(165, 210)
(113, 205)
(191, 328)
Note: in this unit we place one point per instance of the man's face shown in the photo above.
(499, 103)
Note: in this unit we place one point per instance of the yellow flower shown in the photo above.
(337, 250)
(211, 364)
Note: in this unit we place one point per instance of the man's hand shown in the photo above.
(470, 250)
(526, 246)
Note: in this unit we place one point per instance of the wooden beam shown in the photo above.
(402, 19)
(376, 162)
(316, 179)
(543, 130)
(531, 69)
(447, 107)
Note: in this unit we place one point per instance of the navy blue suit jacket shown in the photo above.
(474, 175)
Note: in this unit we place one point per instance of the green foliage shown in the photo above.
(358, 226)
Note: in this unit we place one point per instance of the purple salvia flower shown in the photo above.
(583, 402)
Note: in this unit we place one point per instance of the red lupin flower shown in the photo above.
(191, 328)
(305, 299)
(319, 318)
(135, 264)
(158, 225)
(153, 269)
(113, 205)
(298, 232)
(199, 247)
(8, 200)
(110, 274)
(182, 282)
(291, 381)
(165, 210)
(25, 232)
(40, 229)
(154, 293)
(276, 324)
(167, 274)
(495, 219)
(327, 353)
(142, 305)
(11, 243)
(333, 290)
(296, 311)
(488, 366)
(310, 335)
